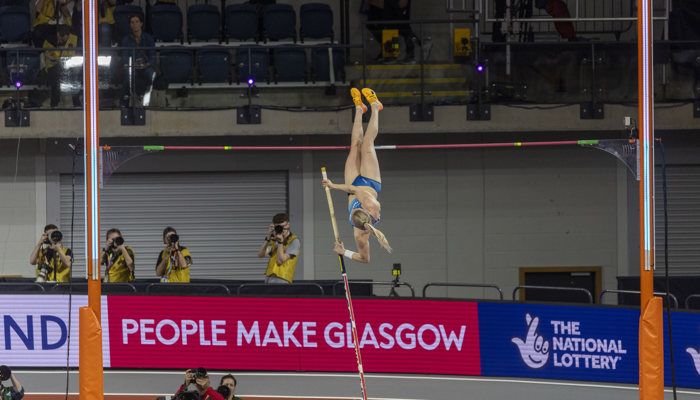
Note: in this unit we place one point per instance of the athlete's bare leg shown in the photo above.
(352, 163)
(369, 164)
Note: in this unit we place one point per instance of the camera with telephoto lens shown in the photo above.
(55, 236)
(118, 241)
(174, 238)
(198, 373)
(278, 229)
(224, 391)
(5, 372)
(44, 271)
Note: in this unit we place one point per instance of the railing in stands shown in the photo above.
(670, 295)
(554, 288)
(472, 285)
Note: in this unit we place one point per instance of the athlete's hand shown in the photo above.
(339, 248)
(327, 183)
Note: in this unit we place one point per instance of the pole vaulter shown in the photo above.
(348, 298)
(91, 373)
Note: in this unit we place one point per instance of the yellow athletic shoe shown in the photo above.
(357, 99)
(372, 97)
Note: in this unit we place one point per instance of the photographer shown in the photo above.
(53, 261)
(283, 248)
(200, 379)
(174, 261)
(117, 258)
(16, 392)
(229, 382)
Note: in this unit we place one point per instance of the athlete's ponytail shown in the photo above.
(379, 235)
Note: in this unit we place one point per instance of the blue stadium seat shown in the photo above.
(241, 22)
(203, 23)
(252, 62)
(280, 22)
(214, 64)
(290, 63)
(23, 66)
(320, 68)
(166, 22)
(122, 13)
(316, 21)
(176, 64)
(15, 24)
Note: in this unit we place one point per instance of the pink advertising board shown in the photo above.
(292, 334)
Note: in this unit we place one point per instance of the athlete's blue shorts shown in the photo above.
(364, 181)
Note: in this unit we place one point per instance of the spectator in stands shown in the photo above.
(53, 261)
(105, 21)
(16, 392)
(174, 261)
(55, 71)
(230, 382)
(139, 60)
(283, 248)
(117, 258)
(392, 10)
(47, 18)
(200, 379)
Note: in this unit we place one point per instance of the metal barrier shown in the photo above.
(478, 285)
(570, 289)
(387, 283)
(670, 295)
(10, 287)
(281, 288)
(82, 287)
(182, 288)
(687, 300)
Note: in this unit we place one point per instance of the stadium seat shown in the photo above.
(15, 24)
(23, 66)
(214, 64)
(252, 62)
(176, 64)
(241, 22)
(279, 22)
(290, 63)
(320, 68)
(166, 22)
(122, 13)
(203, 23)
(316, 21)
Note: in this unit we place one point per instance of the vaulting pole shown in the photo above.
(651, 356)
(348, 299)
(91, 364)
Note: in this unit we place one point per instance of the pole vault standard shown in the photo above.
(348, 299)
(90, 344)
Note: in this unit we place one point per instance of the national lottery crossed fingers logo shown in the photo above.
(568, 347)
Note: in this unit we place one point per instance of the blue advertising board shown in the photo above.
(580, 343)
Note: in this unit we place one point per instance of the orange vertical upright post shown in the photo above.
(91, 363)
(651, 355)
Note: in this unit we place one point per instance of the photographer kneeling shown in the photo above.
(200, 379)
(53, 261)
(117, 258)
(16, 392)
